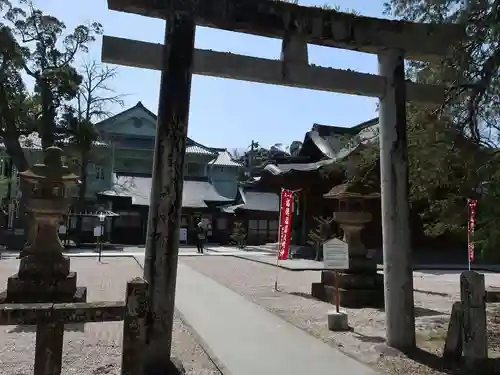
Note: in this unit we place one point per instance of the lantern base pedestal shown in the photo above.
(52, 265)
(55, 290)
(359, 287)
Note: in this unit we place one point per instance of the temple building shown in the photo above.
(325, 158)
(119, 180)
(210, 179)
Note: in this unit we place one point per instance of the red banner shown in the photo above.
(285, 223)
(472, 203)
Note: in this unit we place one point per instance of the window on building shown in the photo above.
(184, 221)
(128, 219)
(99, 172)
(193, 169)
(253, 225)
(263, 230)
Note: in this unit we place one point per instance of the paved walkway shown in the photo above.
(249, 340)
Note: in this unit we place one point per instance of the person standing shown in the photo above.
(201, 237)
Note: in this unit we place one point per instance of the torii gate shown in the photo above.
(297, 25)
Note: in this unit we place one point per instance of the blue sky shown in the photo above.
(229, 113)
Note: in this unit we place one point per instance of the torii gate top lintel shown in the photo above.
(315, 25)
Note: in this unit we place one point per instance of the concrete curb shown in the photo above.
(203, 344)
(274, 265)
(247, 249)
(417, 267)
(481, 268)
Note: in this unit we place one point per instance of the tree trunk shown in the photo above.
(16, 153)
(47, 132)
(82, 192)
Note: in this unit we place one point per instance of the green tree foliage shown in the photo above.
(36, 45)
(294, 148)
(239, 234)
(453, 148)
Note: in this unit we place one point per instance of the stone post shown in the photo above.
(398, 270)
(166, 200)
(473, 298)
(134, 327)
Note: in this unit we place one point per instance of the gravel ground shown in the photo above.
(434, 296)
(95, 348)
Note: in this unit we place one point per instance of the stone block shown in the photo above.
(52, 265)
(348, 280)
(80, 294)
(21, 290)
(135, 326)
(493, 294)
(453, 345)
(318, 291)
(338, 321)
(359, 263)
(355, 298)
(473, 300)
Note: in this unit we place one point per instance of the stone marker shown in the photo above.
(453, 345)
(337, 321)
(135, 321)
(473, 296)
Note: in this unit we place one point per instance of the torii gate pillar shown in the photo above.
(398, 267)
(160, 266)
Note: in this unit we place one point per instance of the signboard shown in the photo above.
(183, 237)
(335, 254)
(62, 229)
(98, 231)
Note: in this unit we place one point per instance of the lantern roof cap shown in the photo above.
(351, 190)
(52, 168)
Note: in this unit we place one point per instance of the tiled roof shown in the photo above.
(195, 193)
(198, 149)
(34, 142)
(224, 159)
(255, 201)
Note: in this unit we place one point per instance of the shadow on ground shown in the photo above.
(79, 327)
(431, 293)
(436, 362)
(421, 311)
(303, 295)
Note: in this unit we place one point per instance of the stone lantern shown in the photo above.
(352, 218)
(360, 285)
(44, 272)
